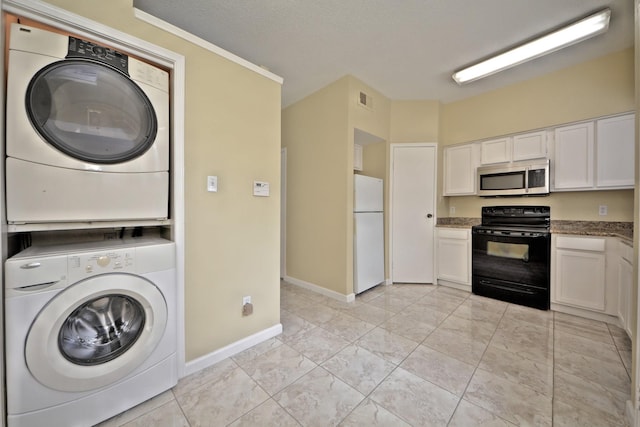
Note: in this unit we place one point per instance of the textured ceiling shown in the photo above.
(406, 49)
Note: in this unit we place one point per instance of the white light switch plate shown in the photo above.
(212, 184)
(260, 188)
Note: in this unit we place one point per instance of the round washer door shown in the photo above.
(96, 332)
(91, 112)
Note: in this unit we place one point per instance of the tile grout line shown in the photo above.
(475, 369)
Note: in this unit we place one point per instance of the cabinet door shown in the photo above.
(615, 141)
(573, 160)
(357, 157)
(495, 151)
(580, 279)
(530, 146)
(454, 255)
(460, 164)
(625, 283)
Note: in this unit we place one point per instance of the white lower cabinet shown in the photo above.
(454, 257)
(582, 276)
(625, 286)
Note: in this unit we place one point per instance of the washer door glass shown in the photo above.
(101, 329)
(91, 112)
(96, 332)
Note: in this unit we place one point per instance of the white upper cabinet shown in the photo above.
(573, 161)
(495, 151)
(357, 157)
(596, 155)
(531, 145)
(460, 163)
(615, 151)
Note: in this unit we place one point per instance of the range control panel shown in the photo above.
(94, 263)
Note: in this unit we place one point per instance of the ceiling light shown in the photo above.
(578, 31)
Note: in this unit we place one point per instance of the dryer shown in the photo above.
(87, 132)
(90, 330)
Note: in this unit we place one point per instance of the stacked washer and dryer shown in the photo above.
(90, 328)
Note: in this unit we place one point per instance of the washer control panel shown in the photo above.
(93, 263)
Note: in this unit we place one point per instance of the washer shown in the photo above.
(90, 330)
(87, 132)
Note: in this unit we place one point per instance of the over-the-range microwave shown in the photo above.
(529, 178)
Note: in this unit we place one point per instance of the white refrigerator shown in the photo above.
(368, 229)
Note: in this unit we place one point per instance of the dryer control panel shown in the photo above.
(108, 261)
(79, 48)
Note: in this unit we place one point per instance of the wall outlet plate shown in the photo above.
(603, 210)
(212, 184)
(246, 300)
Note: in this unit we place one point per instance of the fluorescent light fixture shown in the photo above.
(581, 30)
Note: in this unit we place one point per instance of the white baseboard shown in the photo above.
(319, 289)
(232, 349)
(630, 413)
(607, 318)
(454, 285)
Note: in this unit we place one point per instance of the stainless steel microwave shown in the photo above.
(530, 178)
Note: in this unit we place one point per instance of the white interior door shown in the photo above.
(413, 175)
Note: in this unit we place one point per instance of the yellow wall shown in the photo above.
(318, 132)
(232, 238)
(415, 121)
(315, 132)
(595, 88)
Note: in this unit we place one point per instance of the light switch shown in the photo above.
(260, 188)
(212, 184)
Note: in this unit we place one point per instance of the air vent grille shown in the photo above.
(365, 100)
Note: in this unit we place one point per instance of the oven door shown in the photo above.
(512, 267)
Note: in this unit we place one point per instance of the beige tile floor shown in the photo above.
(417, 355)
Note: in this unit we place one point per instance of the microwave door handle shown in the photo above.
(526, 179)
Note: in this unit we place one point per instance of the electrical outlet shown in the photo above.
(212, 184)
(452, 210)
(603, 210)
(246, 300)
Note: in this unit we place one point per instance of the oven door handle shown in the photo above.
(506, 288)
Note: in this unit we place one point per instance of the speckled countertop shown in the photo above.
(620, 229)
(594, 228)
(458, 222)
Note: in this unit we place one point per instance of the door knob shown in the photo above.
(429, 216)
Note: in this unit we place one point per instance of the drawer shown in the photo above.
(453, 233)
(581, 243)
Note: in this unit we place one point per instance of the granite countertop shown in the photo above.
(623, 230)
(620, 229)
(458, 222)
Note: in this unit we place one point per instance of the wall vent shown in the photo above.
(365, 100)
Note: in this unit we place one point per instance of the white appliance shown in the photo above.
(90, 330)
(87, 132)
(368, 226)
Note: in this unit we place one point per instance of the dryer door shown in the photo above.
(91, 112)
(95, 332)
